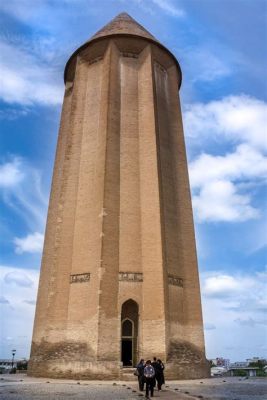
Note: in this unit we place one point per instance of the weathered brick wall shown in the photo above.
(120, 221)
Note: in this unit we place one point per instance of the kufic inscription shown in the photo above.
(80, 278)
(175, 280)
(131, 276)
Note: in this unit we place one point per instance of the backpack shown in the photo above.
(149, 371)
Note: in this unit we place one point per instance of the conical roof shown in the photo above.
(123, 24)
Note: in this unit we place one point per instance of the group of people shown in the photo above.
(151, 374)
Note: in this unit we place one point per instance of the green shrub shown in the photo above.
(22, 365)
(240, 372)
(260, 373)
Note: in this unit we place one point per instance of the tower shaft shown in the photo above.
(119, 277)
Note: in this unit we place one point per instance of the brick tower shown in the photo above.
(119, 277)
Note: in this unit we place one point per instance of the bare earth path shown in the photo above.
(21, 387)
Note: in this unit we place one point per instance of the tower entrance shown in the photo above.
(129, 333)
(127, 337)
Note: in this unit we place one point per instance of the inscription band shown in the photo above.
(131, 276)
(79, 278)
(174, 280)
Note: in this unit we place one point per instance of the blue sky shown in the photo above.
(221, 47)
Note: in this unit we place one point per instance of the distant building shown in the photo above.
(222, 362)
(239, 364)
(250, 371)
(256, 360)
(251, 367)
(6, 364)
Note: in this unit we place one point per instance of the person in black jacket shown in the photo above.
(157, 369)
(160, 369)
(140, 370)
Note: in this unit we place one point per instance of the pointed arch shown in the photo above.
(129, 332)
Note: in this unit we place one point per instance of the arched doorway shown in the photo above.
(129, 333)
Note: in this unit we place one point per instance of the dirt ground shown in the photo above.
(21, 387)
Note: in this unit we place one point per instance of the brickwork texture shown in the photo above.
(120, 225)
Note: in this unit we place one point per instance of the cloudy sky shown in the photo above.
(221, 46)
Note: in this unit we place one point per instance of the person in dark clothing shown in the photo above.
(157, 369)
(149, 374)
(140, 370)
(160, 374)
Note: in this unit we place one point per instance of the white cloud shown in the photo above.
(209, 327)
(21, 191)
(221, 184)
(17, 286)
(32, 243)
(29, 80)
(3, 300)
(11, 114)
(239, 292)
(222, 285)
(235, 303)
(219, 201)
(18, 278)
(250, 322)
(234, 118)
(169, 8)
(11, 173)
(244, 164)
(24, 10)
(210, 65)
(21, 9)
(30, 302)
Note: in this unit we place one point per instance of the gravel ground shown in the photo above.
(38, 389)
(223, 388)
(21, 387)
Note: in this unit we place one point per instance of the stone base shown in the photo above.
(71, 361)
(112, 370)
(96, 370)
(186, 361)
(175, 371)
